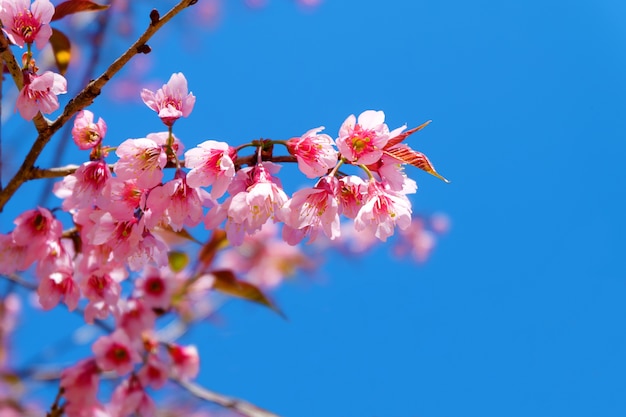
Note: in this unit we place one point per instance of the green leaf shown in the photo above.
(75, 6)
(62, 50)
(178, 260)
(227, 283)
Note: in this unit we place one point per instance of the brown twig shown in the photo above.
(58, 172)
(82, 99)
(56, 410)
(38, 173)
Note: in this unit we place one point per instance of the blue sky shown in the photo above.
(520, 310)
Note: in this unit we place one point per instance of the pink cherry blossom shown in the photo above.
(351, 194)
(36, 227)
(211, 163)
(39, 94)
(141, 159)
(26, 23)
(256, 196)
(177, 204)
(123, 236)
(81, 189)
(128, 240)
(56, 286)
(416, 240)
(154, 373)
(185, 361)
(362, 141)
(260, 200)
(264, 259)
(80, 387)
(383, 210)
(311, 210)
(121, 198)
(130, 399)
(155, 287)
(315, 153)
(135, 317)
(171, 101)
(86, 133)
(115, 352)
(14, 257)
(101, 288)
(151, 249)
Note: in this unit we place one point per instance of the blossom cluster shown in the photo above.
(26, 24)
(117, 264)
(124, 212)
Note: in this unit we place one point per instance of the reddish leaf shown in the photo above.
(74, 6)
(208, 251)
(415, 158)
(227, 283)
(62, 50)
(397, 139)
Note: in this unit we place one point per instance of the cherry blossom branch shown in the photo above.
(84, 98)
(240, 406)
(59, 172)
(251, 160)
(38, 173)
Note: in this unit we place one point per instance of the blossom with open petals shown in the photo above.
(26, 23)
(315, 152)
(141, 159)
(172, 101)
(86, 133)
(211, 163)
(115, 352)
(361, 141)
(40, 94)
(311, 210)
(382, 210)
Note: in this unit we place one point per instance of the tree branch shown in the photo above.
(38, 173)
(83, 99)
(240, 406)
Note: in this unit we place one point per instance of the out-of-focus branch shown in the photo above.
(56, 410)
(242, 407)
(85, 97)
